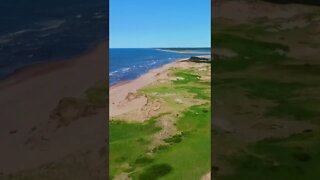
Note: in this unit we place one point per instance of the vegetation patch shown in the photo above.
(155, 171)
(127, 143)
(143, 160)
(130, 149)
(270, 89)
(250, 52)
(185, 76)
(174, 139)
(302, 69)
(298, 110)
(98, 94)
(293, 157)
(160, 148)
(242, 84)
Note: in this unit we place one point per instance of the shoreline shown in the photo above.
(30, 96)
(119, 93)
(123, 82)
(183, 52)
(37, 69)
(123, 96)
(89, 50)
(178, 60)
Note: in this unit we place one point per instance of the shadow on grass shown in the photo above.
(155, 171)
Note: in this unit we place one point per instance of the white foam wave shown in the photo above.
(113, 72)
(49, 25)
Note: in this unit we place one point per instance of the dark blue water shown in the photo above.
(34, 31)
(128, 64)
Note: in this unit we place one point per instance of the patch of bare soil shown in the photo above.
(168, 129)
(206, 177)
(123, 176)
(131, 109)
(222, 53)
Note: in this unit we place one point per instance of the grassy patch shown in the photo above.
(250, 52)
(128, 144)
(262, 88)
(143, 160)
(160, 148)
(185, 77)
(155, 172)
(296, 109)
(270, 89)
(98, 94)
(190, 158)
(302, 69)
(123, 130)
(283, 94)
(174, 139)
(295, 157)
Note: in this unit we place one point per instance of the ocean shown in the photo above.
(127, 64)
(36, 31)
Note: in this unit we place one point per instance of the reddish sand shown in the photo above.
(118, 94)
(28, 98)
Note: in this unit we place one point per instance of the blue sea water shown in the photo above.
(35, 31)
(127, 64)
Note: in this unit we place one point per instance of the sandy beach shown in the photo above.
(27, 101)
(120, 101)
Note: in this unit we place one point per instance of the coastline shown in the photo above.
(183, 52)
(33, 70)
(178, 60)
(120, 94)
(160, 67)
(45, 85)
(28, 99)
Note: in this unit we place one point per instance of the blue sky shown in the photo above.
(159, 23)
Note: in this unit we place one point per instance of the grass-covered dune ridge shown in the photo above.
(161, 147)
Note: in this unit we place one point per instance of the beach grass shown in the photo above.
(293, 157)
(188, 154)
(284, 95)
(98, 94)
(267, 96)
(250, 52)
(129, 142)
